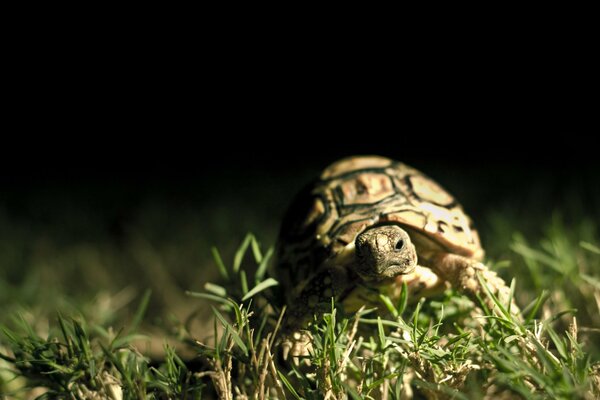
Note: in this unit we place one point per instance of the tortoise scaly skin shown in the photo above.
(367, 225)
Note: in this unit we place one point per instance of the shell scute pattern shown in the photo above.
(359, 192)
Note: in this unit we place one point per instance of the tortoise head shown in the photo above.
(384, 252)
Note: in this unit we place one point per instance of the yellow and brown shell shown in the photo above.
(359, 192)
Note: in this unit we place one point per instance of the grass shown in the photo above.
(443, 347)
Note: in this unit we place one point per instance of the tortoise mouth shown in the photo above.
(393, 270)
(397, 269)
(388, 275)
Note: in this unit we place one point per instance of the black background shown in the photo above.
(118, 171)
(109, 138)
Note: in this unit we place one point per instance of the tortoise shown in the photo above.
(367, 225)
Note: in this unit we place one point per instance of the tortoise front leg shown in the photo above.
(422, 282)
(313, 300)
(461, 272)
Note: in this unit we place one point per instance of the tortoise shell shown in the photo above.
(360, 192)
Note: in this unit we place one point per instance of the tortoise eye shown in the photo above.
(400, 244)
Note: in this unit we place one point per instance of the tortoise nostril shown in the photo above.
(400, 244)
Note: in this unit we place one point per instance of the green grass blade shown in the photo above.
(510, 338)
(493, 297)
(239, 319)
(141, 310)
(388, 304)
(395, 324)
(403, 301)
(558, 343)
(545, 358)
(82, 339)
(536, 306)
(511, 295)
(590, 247)
(288, 385)
(416, 322)
(379, 381)
(12, 336)
(539, 256)
(262, 267)
(243, 282)
(436, 327)
(219, 262)
(591, 280)
(261, 327)
(218, 352)
(381, 333)
(224, 339)
(560, 314)
(421, 338)
(236, 337)
(267, 283)
(215, 289)
(241, 252)
(124, 341)
(256, 250)
(438, 387)
(66, 335)
(457, 338)
(208, 296)
(350, 391)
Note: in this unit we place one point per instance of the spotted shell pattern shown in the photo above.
(359, 192)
